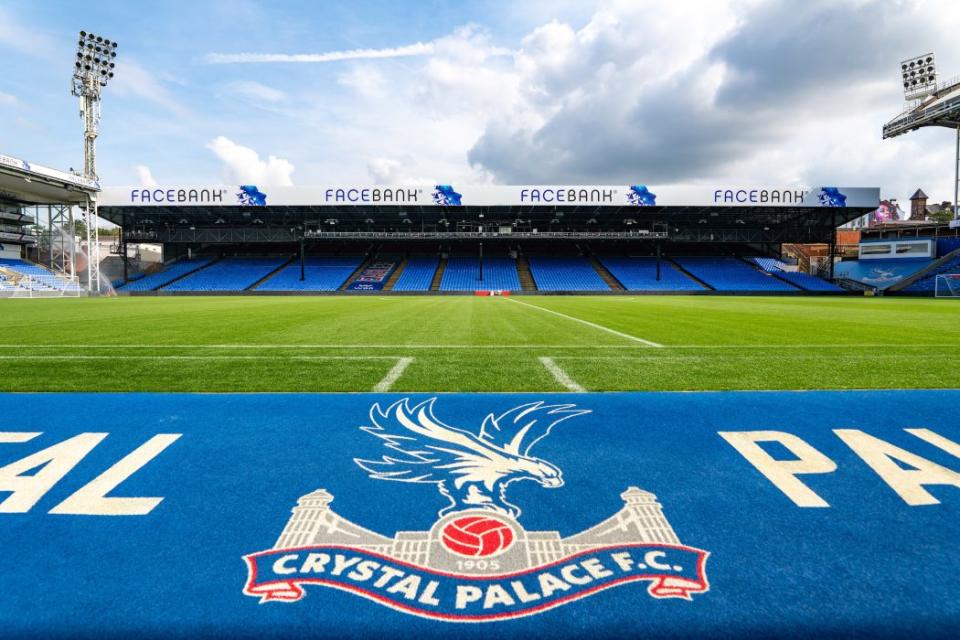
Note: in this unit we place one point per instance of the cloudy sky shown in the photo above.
(273, 92)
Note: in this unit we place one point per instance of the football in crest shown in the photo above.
(477, 536)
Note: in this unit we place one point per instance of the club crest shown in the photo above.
(444, 195)
(831, 197)
(250, 196)
(640, 196)
(477, 562)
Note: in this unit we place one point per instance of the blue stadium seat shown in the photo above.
(320, 274)
(565, 274)
(640, 274)
(805, 281)
(731, 274)
(927, 284)
(462, 274)
(418, 274)
(41, 277)
(768, 264)
(229, 274)
(170, 273)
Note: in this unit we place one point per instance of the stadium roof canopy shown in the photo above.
(29, 184)
(942, 109)
(236, 214)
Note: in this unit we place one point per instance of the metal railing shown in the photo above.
(916, 114)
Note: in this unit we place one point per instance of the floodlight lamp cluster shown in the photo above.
(919, 76)
(95, 58)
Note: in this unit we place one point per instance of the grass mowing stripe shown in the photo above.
(560, 375)
(533, 345)
(393, 375)
(589, 324)
(472, 344)
(83, 356)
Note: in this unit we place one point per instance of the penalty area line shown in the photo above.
(590, 324)
(560, 375)
(393, 375)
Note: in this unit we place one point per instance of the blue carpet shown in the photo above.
(542, 521)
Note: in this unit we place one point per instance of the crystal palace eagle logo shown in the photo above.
(250, 196)
(477, 563)
(831, 197)
(444, 195)
(640, 196)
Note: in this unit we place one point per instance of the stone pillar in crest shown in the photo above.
(309, 517)
(643, 511)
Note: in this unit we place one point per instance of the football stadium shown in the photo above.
(670, 407)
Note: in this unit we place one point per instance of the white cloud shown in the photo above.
(387, 171)
(242, 165)
(133, 80)
(730, 90)
(366, 80)
(21, 38)
(255, 91)
(718, 90)
(146, 177)
(416, 49)
(7, 100)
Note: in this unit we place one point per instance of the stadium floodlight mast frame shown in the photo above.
(92, 69)
(929, 104)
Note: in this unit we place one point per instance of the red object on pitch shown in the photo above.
(477, 536)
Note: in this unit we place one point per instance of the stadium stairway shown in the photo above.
(356, 272)
(607, 277)
(801, 253)
(271, 274)
(527, 282)
(392, 280)
(679, 267)
(438, 276)
(923, 280)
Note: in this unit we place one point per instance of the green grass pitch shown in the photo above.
(437, 343)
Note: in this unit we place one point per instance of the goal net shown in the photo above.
(947, 286)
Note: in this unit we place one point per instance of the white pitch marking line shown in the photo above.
(393, 375)
(560, 375)
(589, 324)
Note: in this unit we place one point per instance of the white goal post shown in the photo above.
(947, 285)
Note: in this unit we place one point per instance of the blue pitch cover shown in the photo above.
(791, 514)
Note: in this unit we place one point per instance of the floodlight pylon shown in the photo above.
(93, 68)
